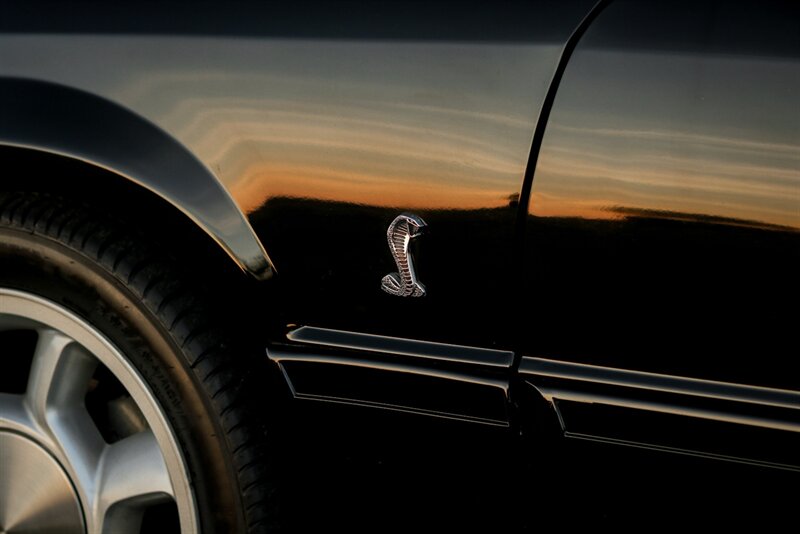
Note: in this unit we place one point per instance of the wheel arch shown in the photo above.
(110, 141)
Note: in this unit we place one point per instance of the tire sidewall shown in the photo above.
(50, 269)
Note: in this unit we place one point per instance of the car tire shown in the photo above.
(70, 257)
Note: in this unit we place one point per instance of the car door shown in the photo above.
(662, 240)
(432, 117)
(428, 121)
(325, 122)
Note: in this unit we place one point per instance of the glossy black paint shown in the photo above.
(655, 227)
(378, 381)
(457, 160)
(325, 128)
(60, 120)
(402, 347)
(635, 380)
(449, 381)
(663, 232)
(665, 412)
(333, 255)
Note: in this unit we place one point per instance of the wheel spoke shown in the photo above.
(132, 476)
(13, 414)
(59, 375)
(106, 487)
(57, 384)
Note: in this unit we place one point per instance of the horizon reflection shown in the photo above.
(657, 136)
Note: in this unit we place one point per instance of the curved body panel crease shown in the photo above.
(663, 235)
(57, 119)
(306, 121)
(535, 219)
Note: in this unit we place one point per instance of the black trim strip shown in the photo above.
(425, 390)
(281, 356)
(664, 383)
(622, 401)
(567, 381)
(426, 350)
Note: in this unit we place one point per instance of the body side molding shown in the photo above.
(406, 347)
(769, 408)
(707, 418)
(435, 379)
(61, 120)
(583, 373)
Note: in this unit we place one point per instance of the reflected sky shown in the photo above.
(370, 122)
(714, 135)
(388, 123)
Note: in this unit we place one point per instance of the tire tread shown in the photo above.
(156, 280)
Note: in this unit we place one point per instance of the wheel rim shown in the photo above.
(93, 485)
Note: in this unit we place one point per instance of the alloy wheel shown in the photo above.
(74, 457)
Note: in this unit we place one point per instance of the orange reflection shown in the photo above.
(363, 122)
(265, 182)
(429, 124)
(609, 174)
(691, 137)
(380, 154)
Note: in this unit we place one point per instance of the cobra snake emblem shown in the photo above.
(403, 283)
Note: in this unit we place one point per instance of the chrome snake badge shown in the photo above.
(403, 283)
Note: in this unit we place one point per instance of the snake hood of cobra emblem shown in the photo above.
(403, 283)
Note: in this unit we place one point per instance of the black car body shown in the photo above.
(611, 192)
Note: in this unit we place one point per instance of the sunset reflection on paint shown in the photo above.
(663, 222)
(368, 122)
(382, 158)
(669, 143)
(384, 139)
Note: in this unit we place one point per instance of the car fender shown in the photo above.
(73, 123)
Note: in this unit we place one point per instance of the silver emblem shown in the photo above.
(403, 283)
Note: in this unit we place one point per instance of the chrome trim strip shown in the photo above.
(283, 356)
(566, 394)
(540, 367)
(427, 350)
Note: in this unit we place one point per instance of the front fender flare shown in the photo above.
(69, 122)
